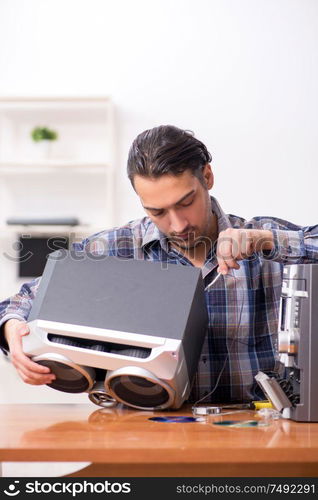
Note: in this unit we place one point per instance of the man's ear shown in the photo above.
(208, 176)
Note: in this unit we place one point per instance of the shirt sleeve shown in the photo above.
(17, 307)
(292, 244)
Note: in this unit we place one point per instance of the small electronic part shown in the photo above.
(273, 391)
(206, 410)
(258, 405)
(269, 414)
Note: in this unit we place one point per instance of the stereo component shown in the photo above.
(295, 394)
(122, 330)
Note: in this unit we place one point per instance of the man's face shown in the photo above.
(179, 206)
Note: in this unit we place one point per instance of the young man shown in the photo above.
(171, 173)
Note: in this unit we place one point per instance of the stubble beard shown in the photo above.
(206, 238)
(195, 241)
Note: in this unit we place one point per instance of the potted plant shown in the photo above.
(43, 137)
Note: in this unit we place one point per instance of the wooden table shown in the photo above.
(122, 442)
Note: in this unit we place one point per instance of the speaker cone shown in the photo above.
(70, 377)
(139, 388)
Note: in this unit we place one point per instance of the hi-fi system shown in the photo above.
(295, 393)
(122, 330)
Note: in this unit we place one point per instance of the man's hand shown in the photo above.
(30, 372)
(239, 244)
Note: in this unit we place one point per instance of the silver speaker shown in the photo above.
(151, 374)
(139, 388)
(70, 377)
(121, 330)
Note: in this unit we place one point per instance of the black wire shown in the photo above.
(228, 352)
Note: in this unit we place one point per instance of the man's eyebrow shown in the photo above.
(177, 202)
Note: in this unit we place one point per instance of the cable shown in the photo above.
(207, 288)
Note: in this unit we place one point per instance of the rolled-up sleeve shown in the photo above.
(17, 307)
(292, 244)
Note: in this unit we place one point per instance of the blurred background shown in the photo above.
(241, 74)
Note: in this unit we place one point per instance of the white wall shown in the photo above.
(242, 74)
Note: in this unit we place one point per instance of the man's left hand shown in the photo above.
(239, 244)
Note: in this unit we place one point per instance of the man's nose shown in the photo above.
(178, 224)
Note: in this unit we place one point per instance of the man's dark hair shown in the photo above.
(166, 150)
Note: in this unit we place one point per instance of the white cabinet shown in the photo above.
(71, 178)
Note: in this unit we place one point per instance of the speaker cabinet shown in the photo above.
(122, 330)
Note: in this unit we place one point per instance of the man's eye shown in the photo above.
(187, 204)
(157, 214)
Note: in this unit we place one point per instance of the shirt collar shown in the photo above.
(153, 234)
(223, 219)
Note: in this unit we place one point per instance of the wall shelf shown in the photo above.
(35, 229)
(53, 163)
(74, 177)
(52, 166)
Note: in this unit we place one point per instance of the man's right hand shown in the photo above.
(30, 372)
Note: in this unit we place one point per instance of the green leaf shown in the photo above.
(40, 133)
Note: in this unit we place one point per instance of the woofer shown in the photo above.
(138, 388)
(70, 377)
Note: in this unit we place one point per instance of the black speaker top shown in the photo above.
(150, 298)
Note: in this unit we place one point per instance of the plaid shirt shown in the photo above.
(243, 307)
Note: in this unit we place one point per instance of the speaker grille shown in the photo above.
(138, 391)
(68, 378)
(136, 352)
(96, 345)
